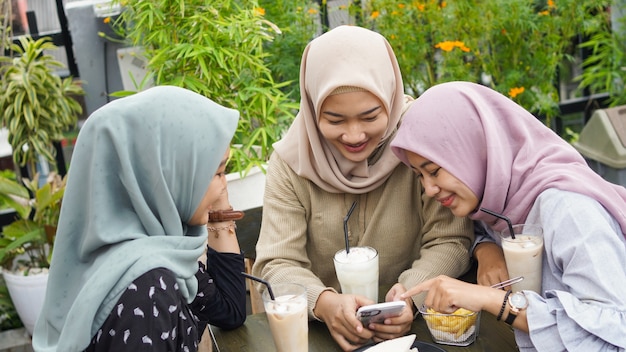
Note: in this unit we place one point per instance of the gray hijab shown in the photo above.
(140, 168)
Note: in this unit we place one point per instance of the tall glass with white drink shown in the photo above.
(523, 255)
(287, 316)
(357, 271)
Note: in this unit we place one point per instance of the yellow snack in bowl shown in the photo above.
(459, 328)
(456, 323)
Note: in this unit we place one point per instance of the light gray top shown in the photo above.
(583, 306)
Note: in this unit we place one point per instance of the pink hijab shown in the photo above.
(499, 150)
(345, 56)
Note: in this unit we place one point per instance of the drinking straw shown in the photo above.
(267, 284)
(500, 216)
(508, 282)
(345, 226)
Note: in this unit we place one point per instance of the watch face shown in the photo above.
(518, 300)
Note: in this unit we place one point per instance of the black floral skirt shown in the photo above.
(151, 315)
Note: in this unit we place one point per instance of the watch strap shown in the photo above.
(225, 215)
(510, 318)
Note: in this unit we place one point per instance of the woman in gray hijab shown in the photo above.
(146, 172)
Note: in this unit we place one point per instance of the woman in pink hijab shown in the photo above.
(335, 154)
(476, 149)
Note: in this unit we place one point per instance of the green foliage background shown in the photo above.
(246, 54)
(217, 49)
(512, 43)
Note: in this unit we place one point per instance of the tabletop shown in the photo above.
(255, 335)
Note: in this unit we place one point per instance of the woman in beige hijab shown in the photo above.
(336, 153)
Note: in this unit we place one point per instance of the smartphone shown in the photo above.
(376, 313)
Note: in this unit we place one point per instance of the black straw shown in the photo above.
(500, 216)
(267, 284)
(345, 226)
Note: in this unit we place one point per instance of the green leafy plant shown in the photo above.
(6, 174)
(605, 67)
(297, 20)
(28, 241)
(36, 105)
(216, 49)
(514, 46)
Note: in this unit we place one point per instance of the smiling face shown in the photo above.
(354, 123)
(441, 185)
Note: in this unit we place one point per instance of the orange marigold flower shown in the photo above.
(443, 4)
(418, 5)
(106, 20)
(312, 11)
(461, 46)
(375, 14)
(515, 91)
(551, 3)
(450, 45)
(544, 13)
(401, 6)
(445, 46)
(259, 11)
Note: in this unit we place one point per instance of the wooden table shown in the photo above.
(255, 335)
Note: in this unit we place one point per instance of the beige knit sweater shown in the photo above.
(302, 228)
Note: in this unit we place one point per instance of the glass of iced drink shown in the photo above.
(287, 316)
(523, 255)
(357, 271)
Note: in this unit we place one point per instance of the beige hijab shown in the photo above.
(347, 56)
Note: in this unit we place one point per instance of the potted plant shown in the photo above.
(37, 106)
(26, 244)
(9, 320)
